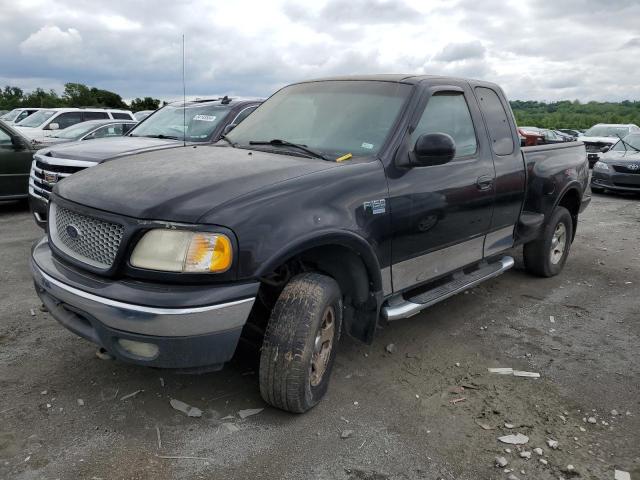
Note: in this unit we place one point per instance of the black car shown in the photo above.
(206, 121)
(618, 169)
(338, 203)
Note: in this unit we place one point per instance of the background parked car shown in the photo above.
(142, 114)
(16, 153)
(18, 114)
(545, 136)
(565, 136)
(619, 167)
(604, 135)
(571, 131)
(207, 121)
(44, 122)
(89, 131)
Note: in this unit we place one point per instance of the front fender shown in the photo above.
(327, 237)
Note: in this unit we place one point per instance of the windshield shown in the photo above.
(607, 131)
(12, 115)
(633, 141)
(37, 119)
(331, 117)
(201, 121)
(75, 131)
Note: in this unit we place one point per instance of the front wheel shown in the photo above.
(300, 343)
(547, 255)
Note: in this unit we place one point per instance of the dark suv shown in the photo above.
(179, 124)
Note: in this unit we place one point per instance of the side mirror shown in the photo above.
(228, 128)
(18, 142)
(433, 149)
(53, 126)
(605, 149)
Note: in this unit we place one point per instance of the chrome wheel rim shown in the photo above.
(322, 345)
(558, 243)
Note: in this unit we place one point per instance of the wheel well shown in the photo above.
(571, 201)
(342, 264)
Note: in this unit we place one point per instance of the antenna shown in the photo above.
(184, 101)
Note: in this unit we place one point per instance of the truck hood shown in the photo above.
(181, 185)
(102, 149)
(609, 140)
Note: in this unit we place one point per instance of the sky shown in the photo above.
(535, 49)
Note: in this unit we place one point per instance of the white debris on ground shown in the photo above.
(621, 475)
(130, 395)
(346, 434)
(538, 451)
(553, 443)
(249, 412)
(517, 439)
(525, 454)
(515, 373)
(391, 348)
(501, 462)
(185, 408)
(80, 402)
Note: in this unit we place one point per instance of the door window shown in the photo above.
(497, 121)
(95, 115)
(449, 113)
(24, 114)
(121, 116)
(5, 138)
(108, 131)
(67, 119)
(244, 114)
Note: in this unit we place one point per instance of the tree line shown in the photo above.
(574, 114)
(562, 114)
(74, 95)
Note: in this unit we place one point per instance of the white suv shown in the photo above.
(18, 114)
(41, 124)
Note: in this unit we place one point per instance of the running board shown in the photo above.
(406, 308)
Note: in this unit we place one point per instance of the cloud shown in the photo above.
(535, 49)
(460, 51)
(50, 39)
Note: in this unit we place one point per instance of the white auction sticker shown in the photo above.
(205, 118)
(366, 145)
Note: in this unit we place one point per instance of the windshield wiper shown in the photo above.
(276, 142)
(628, 144)
(226, 139)
(160, 136)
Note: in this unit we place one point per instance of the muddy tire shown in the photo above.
(547, 255)
(300, 343)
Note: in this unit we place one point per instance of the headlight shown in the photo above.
(183, 251)
(601, 166)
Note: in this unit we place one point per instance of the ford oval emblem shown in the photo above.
(72, 231)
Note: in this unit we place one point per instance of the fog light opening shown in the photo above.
(140, 349)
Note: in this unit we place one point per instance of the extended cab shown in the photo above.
(336, 204)
(197, 122)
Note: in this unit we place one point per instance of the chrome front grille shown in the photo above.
(47, 171)
(87, 239)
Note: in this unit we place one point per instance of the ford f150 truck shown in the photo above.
(336, 204)
(206, 120)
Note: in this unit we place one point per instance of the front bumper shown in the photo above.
(39, 209)
(183, 332)
(620, 182)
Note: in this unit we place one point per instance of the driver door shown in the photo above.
(441, 214)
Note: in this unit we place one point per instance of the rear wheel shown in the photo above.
(300, 343)
(547, 255)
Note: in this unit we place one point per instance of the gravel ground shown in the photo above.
(63, 415)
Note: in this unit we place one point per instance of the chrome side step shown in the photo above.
(399, 307)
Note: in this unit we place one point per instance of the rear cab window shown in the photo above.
(497, 121)
(95, 116)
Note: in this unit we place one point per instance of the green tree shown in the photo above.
(146, 103)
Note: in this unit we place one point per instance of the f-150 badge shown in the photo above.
(375, 207)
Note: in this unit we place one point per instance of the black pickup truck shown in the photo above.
(338, 203)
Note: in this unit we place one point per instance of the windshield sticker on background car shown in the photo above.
(205, 118)
(366, 145)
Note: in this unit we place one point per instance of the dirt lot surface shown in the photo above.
(65, 414)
